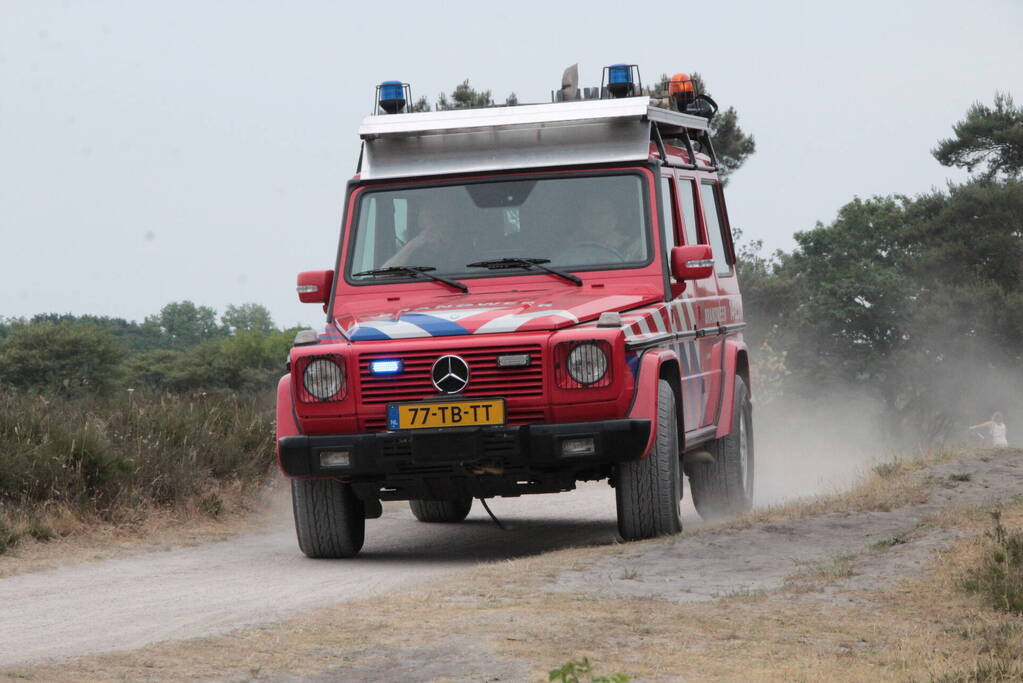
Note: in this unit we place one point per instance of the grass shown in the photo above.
(816, 576)
(961, 476)
(581, 671)
(65, 461)
(894, 540)
(998, 577)
(888, 469)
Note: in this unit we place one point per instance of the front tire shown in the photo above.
(648, 490)
(329, 519)
(441, 511)
(725, 488)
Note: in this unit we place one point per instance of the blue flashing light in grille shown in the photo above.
(385, 367)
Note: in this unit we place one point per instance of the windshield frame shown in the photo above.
(355, 199)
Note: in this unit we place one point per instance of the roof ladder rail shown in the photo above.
(655, 133)
(689, 148)
(710, 149)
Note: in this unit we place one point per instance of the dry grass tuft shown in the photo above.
(820, 574)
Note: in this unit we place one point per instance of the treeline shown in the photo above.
(183, 348)
(917, 301)
(104, 419)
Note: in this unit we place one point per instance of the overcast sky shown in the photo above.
(159, 151)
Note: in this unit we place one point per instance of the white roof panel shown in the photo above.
(499, 138)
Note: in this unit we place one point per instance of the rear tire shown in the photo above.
(648, 490)
(329, 519)
(441, 511)
(725, 488)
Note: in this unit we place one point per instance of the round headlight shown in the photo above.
(587, 363)
(323, 378)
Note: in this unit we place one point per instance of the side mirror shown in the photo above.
(314, 286)
(692, 262)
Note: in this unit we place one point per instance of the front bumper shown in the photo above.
(413, 463)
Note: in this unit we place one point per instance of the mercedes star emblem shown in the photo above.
(450, 374)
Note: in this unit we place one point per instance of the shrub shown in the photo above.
(60, 358)
(99, 455)
(248, 361)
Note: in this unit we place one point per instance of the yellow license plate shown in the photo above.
(433, 414)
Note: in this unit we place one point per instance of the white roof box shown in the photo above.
(502, 138)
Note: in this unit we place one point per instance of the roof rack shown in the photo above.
(526, 136)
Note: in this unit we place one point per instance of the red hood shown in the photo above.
(447, 315)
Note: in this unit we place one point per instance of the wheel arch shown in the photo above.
(644, 401)
(736, 365)
(671, 372)
(287, 422)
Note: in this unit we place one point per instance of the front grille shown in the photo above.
(485, 379)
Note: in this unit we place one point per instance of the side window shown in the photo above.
(668, 212)
(712, 216)
(688, 203)
(365, 241)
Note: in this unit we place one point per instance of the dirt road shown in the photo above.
(188, 592)
(184, 593)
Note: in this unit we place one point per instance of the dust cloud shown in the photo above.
(806, 448)
(810, 443)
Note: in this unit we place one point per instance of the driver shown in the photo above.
(435, 242)
(601, 235)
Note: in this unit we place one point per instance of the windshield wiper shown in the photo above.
(527, 263)
(415, 271)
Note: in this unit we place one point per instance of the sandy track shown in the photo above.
(765, 556)
(256, 578)
(125, 603)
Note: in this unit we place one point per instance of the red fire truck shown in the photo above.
(523, 298)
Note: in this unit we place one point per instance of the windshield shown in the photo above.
(578, 223)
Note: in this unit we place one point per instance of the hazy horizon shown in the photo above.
(157, 153)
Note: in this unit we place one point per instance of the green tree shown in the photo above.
(248, 318)
(134, 337)
(59, 357)
(853, 293)
(422, 104)
(6, 327)
(989, 137)
(183, 324)
(465, 96)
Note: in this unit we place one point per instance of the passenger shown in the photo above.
(435, 241)
(996, 428)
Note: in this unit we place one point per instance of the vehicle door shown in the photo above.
(701, 302)
(678, 210)
(719, 297)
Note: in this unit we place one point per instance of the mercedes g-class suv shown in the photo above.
(523, 298)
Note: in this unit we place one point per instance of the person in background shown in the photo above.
(996, 427)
